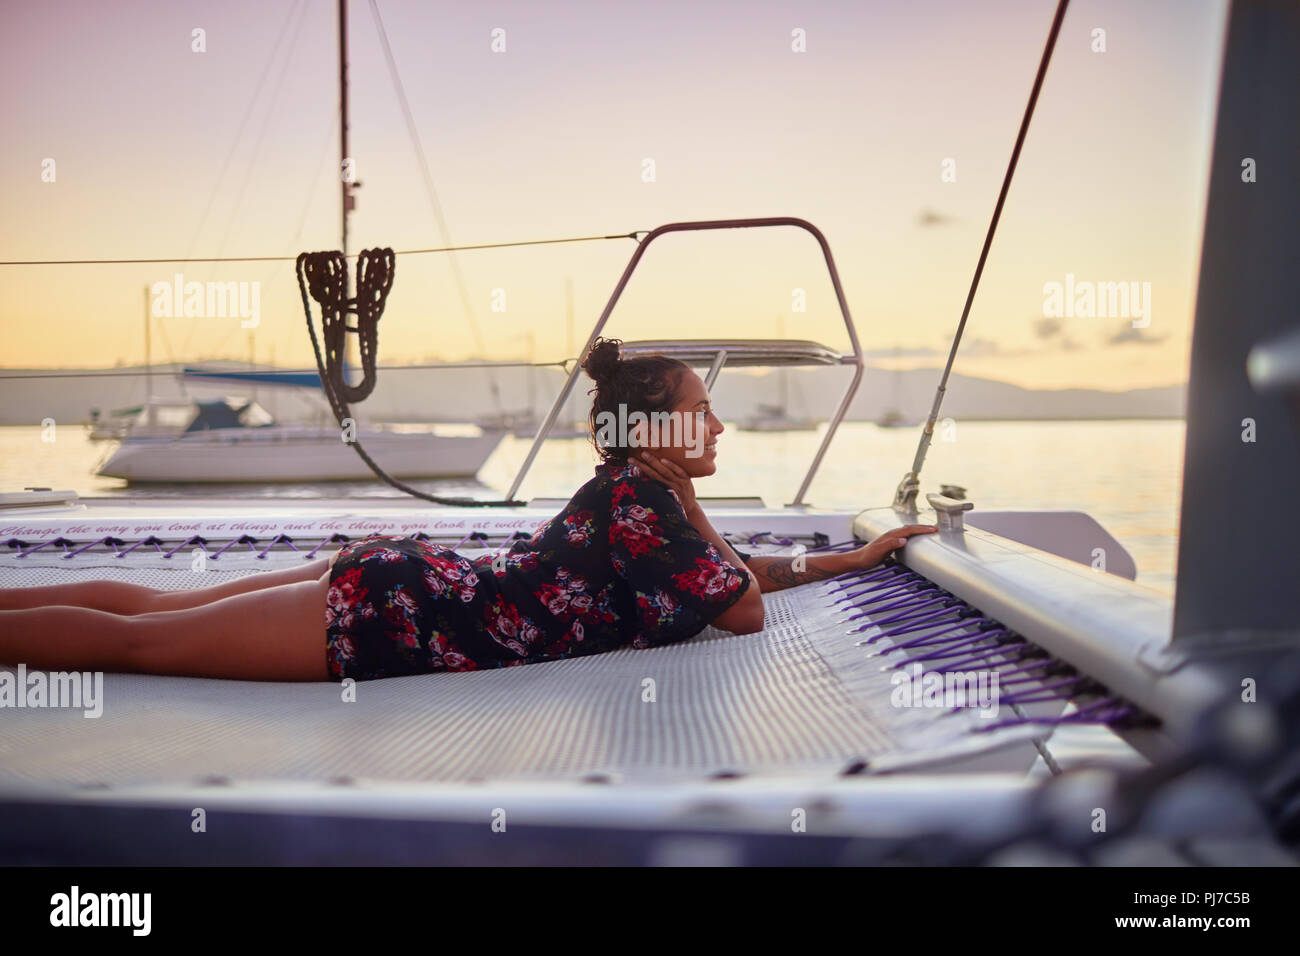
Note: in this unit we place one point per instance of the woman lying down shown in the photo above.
(631, 560)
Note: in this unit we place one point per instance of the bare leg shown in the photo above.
(274, 634)
(123, 597)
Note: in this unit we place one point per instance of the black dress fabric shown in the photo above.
(620, 565)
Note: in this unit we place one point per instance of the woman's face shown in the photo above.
(688, 438)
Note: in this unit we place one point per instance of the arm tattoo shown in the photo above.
(776, 573)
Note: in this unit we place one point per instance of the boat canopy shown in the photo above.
(294, 379)
(225, 413)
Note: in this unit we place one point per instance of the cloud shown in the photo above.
(1052, 331)
(1048, 328)
(928, 217)
(909, 352)
(1129, 335)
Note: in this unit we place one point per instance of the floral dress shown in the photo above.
(620, 565)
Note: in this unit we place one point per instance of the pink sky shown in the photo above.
(549, 139)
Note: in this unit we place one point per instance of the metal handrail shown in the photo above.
(855, 358)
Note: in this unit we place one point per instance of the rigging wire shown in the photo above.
(314, 182)
(243, 124)
(423, 161)
(905, 497)
(286, 62)
(407, 252)
(563, 365)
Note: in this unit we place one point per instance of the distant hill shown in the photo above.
(461, 394)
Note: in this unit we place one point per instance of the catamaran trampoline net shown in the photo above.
(810, 694)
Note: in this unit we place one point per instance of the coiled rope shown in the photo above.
(325, 276)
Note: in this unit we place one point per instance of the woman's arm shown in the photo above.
(747, 615)
(775, 572)
(779, 572)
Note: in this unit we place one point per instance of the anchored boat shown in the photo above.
(231, 440)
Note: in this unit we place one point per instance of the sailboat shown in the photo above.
(525, 422)
(804, 717)
(892, 417)
(775, 416)
(233, 439)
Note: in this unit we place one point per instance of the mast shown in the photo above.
(343, 128)
(349, 201)
(1240, 451)
(783, 372)
(150, 412)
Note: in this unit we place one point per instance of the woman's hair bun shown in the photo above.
(603, 361)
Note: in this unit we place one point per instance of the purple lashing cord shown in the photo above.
(87, 547)
(909, 618)
(1027, 696)
(1111, 708)
(783, 542)
(839, 546)
(330, 540)
(854, 578)
(994, 650)
(189, 540)
(276, 540)
(878, 591)
(929, 640)
(156, 542)
(879, 577)
(948, 646)
(982, 657)
(64, 542)
(941, 653)
(246, 539)
(965, 616)
(908, 612)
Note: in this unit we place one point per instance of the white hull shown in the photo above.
(779, 425)
(295, 454)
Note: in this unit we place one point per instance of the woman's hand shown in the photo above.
(671, 474)
(869, 555)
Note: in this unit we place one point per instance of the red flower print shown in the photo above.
(402, 599)
(709, 579)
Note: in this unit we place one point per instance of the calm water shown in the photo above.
(1127, 475)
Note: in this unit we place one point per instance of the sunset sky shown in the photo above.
(163, 151)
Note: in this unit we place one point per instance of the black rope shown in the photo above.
(325, 275)
(409, 252)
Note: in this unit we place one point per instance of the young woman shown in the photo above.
(631, 560)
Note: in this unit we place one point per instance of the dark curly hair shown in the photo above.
(644, 383)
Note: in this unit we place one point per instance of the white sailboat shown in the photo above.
(775, 416)
(235, 440)
(525, 422)
(892, 416)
